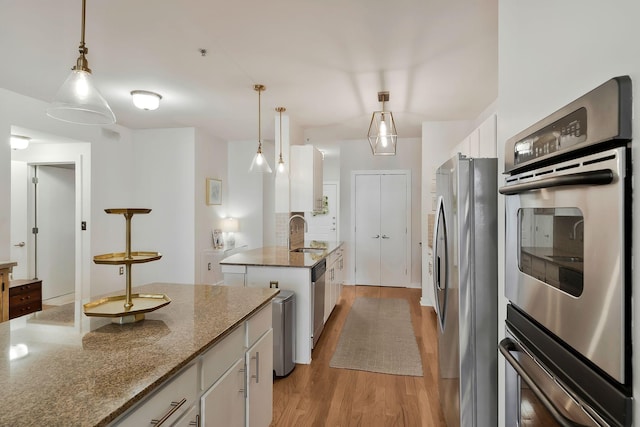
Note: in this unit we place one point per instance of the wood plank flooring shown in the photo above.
(317, 395)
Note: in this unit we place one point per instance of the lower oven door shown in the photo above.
(566, 257)
(534, 398)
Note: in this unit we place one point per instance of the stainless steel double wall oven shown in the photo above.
(568, 264)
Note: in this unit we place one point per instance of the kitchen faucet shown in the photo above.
(575, 226)
(306, 226)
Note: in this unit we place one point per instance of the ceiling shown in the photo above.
(323, 60)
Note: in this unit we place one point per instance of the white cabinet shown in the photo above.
(259, 364)
(481, 142)
(169, 402)
(230, 385)
(305, 178)
(333, 281)
(224, 403)
(234, 275)
(297, 280)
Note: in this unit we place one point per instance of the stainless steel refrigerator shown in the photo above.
(465, 286)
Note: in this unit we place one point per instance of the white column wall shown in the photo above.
(163, 180)
(550, 53)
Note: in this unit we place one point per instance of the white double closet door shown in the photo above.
(382, 241)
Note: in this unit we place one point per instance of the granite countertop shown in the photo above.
(280, 256)
(88, 373)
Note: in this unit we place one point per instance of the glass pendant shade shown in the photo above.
(281, 165)
(78, 101)
(382, 133)
(259, 163)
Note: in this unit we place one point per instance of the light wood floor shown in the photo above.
(317, 395)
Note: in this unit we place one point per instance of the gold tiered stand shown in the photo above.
(130, 307)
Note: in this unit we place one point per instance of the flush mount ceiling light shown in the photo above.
(382, 130)
(145, 100)
(280, 161)
(19, 142)
(259, 163)
(78, 100)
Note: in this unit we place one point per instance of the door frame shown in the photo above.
(352, 225)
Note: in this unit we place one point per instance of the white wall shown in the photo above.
(356, 155)
(250, 195)
(210, 162)
(163, 181)
(581, 45)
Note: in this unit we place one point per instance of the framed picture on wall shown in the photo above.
(214, 191)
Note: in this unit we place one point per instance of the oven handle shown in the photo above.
(506, 346)
(598, 177)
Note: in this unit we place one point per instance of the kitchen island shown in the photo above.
(290, 270)
(97, 372)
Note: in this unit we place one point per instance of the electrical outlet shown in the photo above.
(209, 266)
(273, 284)
(121, 271)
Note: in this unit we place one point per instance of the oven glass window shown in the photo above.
(551, 245)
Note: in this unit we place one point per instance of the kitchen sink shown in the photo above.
(566, 258)
(310, 250)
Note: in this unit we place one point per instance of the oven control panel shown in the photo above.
(565, 132)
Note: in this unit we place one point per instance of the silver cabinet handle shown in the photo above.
(21, 244)
(377, 236)
(175, 407)
(257, 375)
(384, 236)
(196, 422)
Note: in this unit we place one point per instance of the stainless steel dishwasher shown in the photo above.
(317, 292)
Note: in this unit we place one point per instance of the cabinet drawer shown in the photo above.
(21, 310)
(169, 402)
(258, 324)
(17, 287)
(217, 360)
(21, 298)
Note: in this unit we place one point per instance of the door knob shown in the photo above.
(21, 244)
(377, 236)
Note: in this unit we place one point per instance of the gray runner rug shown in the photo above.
(378, 337)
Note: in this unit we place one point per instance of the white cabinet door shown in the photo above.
(224, 403)
(381, 229)
(488, 137)
(367, 224)
(260, 382)
(306, 187)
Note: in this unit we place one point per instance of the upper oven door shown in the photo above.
(565, 254)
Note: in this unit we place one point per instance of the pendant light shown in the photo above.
(382, 130)
(280, 161)
(259, 163)
(78, 100)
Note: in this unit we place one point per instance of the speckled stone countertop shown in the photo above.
(280, 256)
(89, 373)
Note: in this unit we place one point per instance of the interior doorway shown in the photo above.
(382, 227)
(43, 211)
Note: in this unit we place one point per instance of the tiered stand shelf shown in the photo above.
(130, 307)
